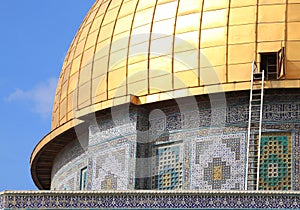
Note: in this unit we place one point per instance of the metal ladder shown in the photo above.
(254, 128)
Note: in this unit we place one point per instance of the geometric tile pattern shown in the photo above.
(296, 165)
(111, 168)
(200, 148)
(110, 182)
(217, 173)
(218, 162)
(234, 145)
(276, 162)
(167, 171)
(149, 200)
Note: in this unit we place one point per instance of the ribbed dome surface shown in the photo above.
(230, 34)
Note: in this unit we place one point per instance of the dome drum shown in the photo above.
(178, 147)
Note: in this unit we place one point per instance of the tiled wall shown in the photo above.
(113, 167)
(218, 162)
(109, 156)
(276, 162)
(67, 166)
(179, 147)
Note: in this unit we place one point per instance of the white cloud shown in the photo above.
(41, 97)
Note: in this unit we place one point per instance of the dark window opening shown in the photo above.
(273, 64)
(269, 65)
(83, 179)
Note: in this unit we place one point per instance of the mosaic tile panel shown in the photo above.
(111, 169)
(276, 162)
(218, 162)
(217, 173)
(168, 167)
(296, 164)
(110, 182)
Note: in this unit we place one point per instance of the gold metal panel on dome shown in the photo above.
(154, 48)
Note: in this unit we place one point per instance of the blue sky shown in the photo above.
(34, 38)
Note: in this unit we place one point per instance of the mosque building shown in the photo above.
(175, 104)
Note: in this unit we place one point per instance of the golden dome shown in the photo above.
(99, 68)
(162, 49)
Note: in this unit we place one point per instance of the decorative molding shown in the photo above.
(150, 199)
